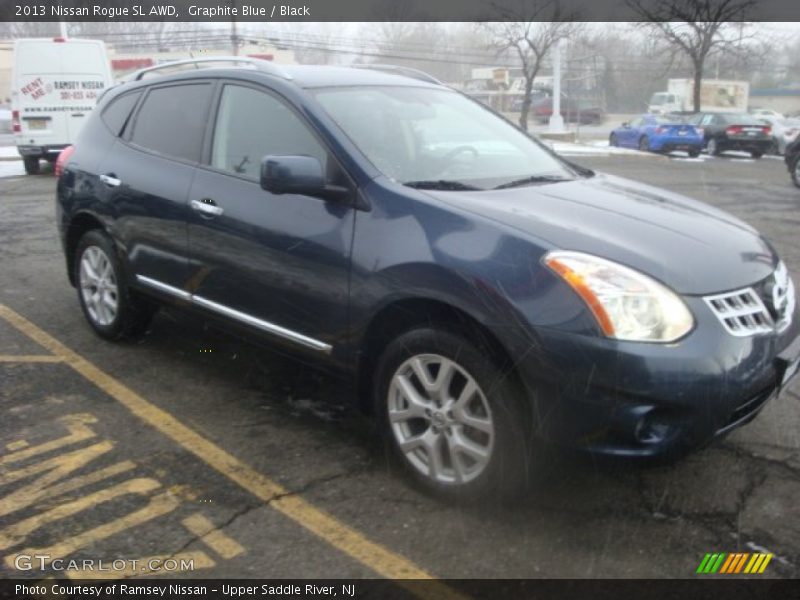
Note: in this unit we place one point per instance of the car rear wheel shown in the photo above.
(31, 164)
(644, 144)
(694, 153)
(113, 311)
(796, 170)
(453, 419)
(712, 147)
(756, 154)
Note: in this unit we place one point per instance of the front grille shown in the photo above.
(766, 307)
(742, 312)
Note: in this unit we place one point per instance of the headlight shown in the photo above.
(627, 304)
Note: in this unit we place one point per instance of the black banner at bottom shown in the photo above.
(730, 588)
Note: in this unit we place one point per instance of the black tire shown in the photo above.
(31, 164)
(712, 147)
(133, 313)
(644, 144)
(694, 153)
(505, 473)
(795, 170)
(756, 154)
(613, 141)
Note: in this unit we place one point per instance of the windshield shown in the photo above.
(660, 98)
(437, 138)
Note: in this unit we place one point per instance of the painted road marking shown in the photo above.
(371, 554)
(18, 445)
(220, 543)
(55, 481)
(30, 358)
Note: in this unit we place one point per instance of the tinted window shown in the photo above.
(172, 119)
(116, 114)
(251, 124)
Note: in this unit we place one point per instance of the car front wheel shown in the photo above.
(451, 416)
(644, 144)
(113, 311)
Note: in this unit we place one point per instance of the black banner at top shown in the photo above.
(265, 11)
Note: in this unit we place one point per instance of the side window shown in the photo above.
(251, 124)
(172, 120)
(116, 114)
(707, 120)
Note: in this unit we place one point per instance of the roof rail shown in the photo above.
(256, 63)
(407, 71)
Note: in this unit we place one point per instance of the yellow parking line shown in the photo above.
(220, 543)
(371, 554)
(30, 358)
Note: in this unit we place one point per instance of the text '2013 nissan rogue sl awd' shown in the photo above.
(485, 296)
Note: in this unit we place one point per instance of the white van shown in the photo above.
(55, 84)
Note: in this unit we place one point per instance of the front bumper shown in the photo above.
(645, 400)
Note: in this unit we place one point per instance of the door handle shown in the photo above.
(207, 207)
(110, 180)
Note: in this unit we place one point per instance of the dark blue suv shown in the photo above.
(484, 294)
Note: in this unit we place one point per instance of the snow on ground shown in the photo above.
(9, 152)
(592, 149)
(11, 168)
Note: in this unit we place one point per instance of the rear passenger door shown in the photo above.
(275, 263)
(147, 176)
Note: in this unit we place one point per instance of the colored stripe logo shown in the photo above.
(736, 562)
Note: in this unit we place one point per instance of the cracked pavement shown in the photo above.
(294, 425)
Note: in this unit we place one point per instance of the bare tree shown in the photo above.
(525, 35)
(698, 28)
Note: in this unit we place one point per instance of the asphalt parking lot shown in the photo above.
(191, 445)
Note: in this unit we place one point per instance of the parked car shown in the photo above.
(792, 158)
(766, 112)
(784, 131)
(572, 111)
(485, 296)
(657, 133)
(725, 131)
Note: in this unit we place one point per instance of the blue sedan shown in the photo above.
(656, 133)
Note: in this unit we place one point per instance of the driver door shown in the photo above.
(275, 263)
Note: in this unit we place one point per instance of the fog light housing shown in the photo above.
(649, 430)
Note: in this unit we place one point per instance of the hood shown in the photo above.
(690, 246)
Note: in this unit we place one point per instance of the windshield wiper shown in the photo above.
(531, 180)
(442, 184)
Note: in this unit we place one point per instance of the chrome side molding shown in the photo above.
(236, 315)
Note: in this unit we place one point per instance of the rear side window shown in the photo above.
(116, 114)
(172, 120)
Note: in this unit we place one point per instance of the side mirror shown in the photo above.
(297, 175)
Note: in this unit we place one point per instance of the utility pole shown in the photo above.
(234, 35)
(556, 120)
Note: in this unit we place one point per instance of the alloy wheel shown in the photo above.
(440, 419)
(98, 284)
